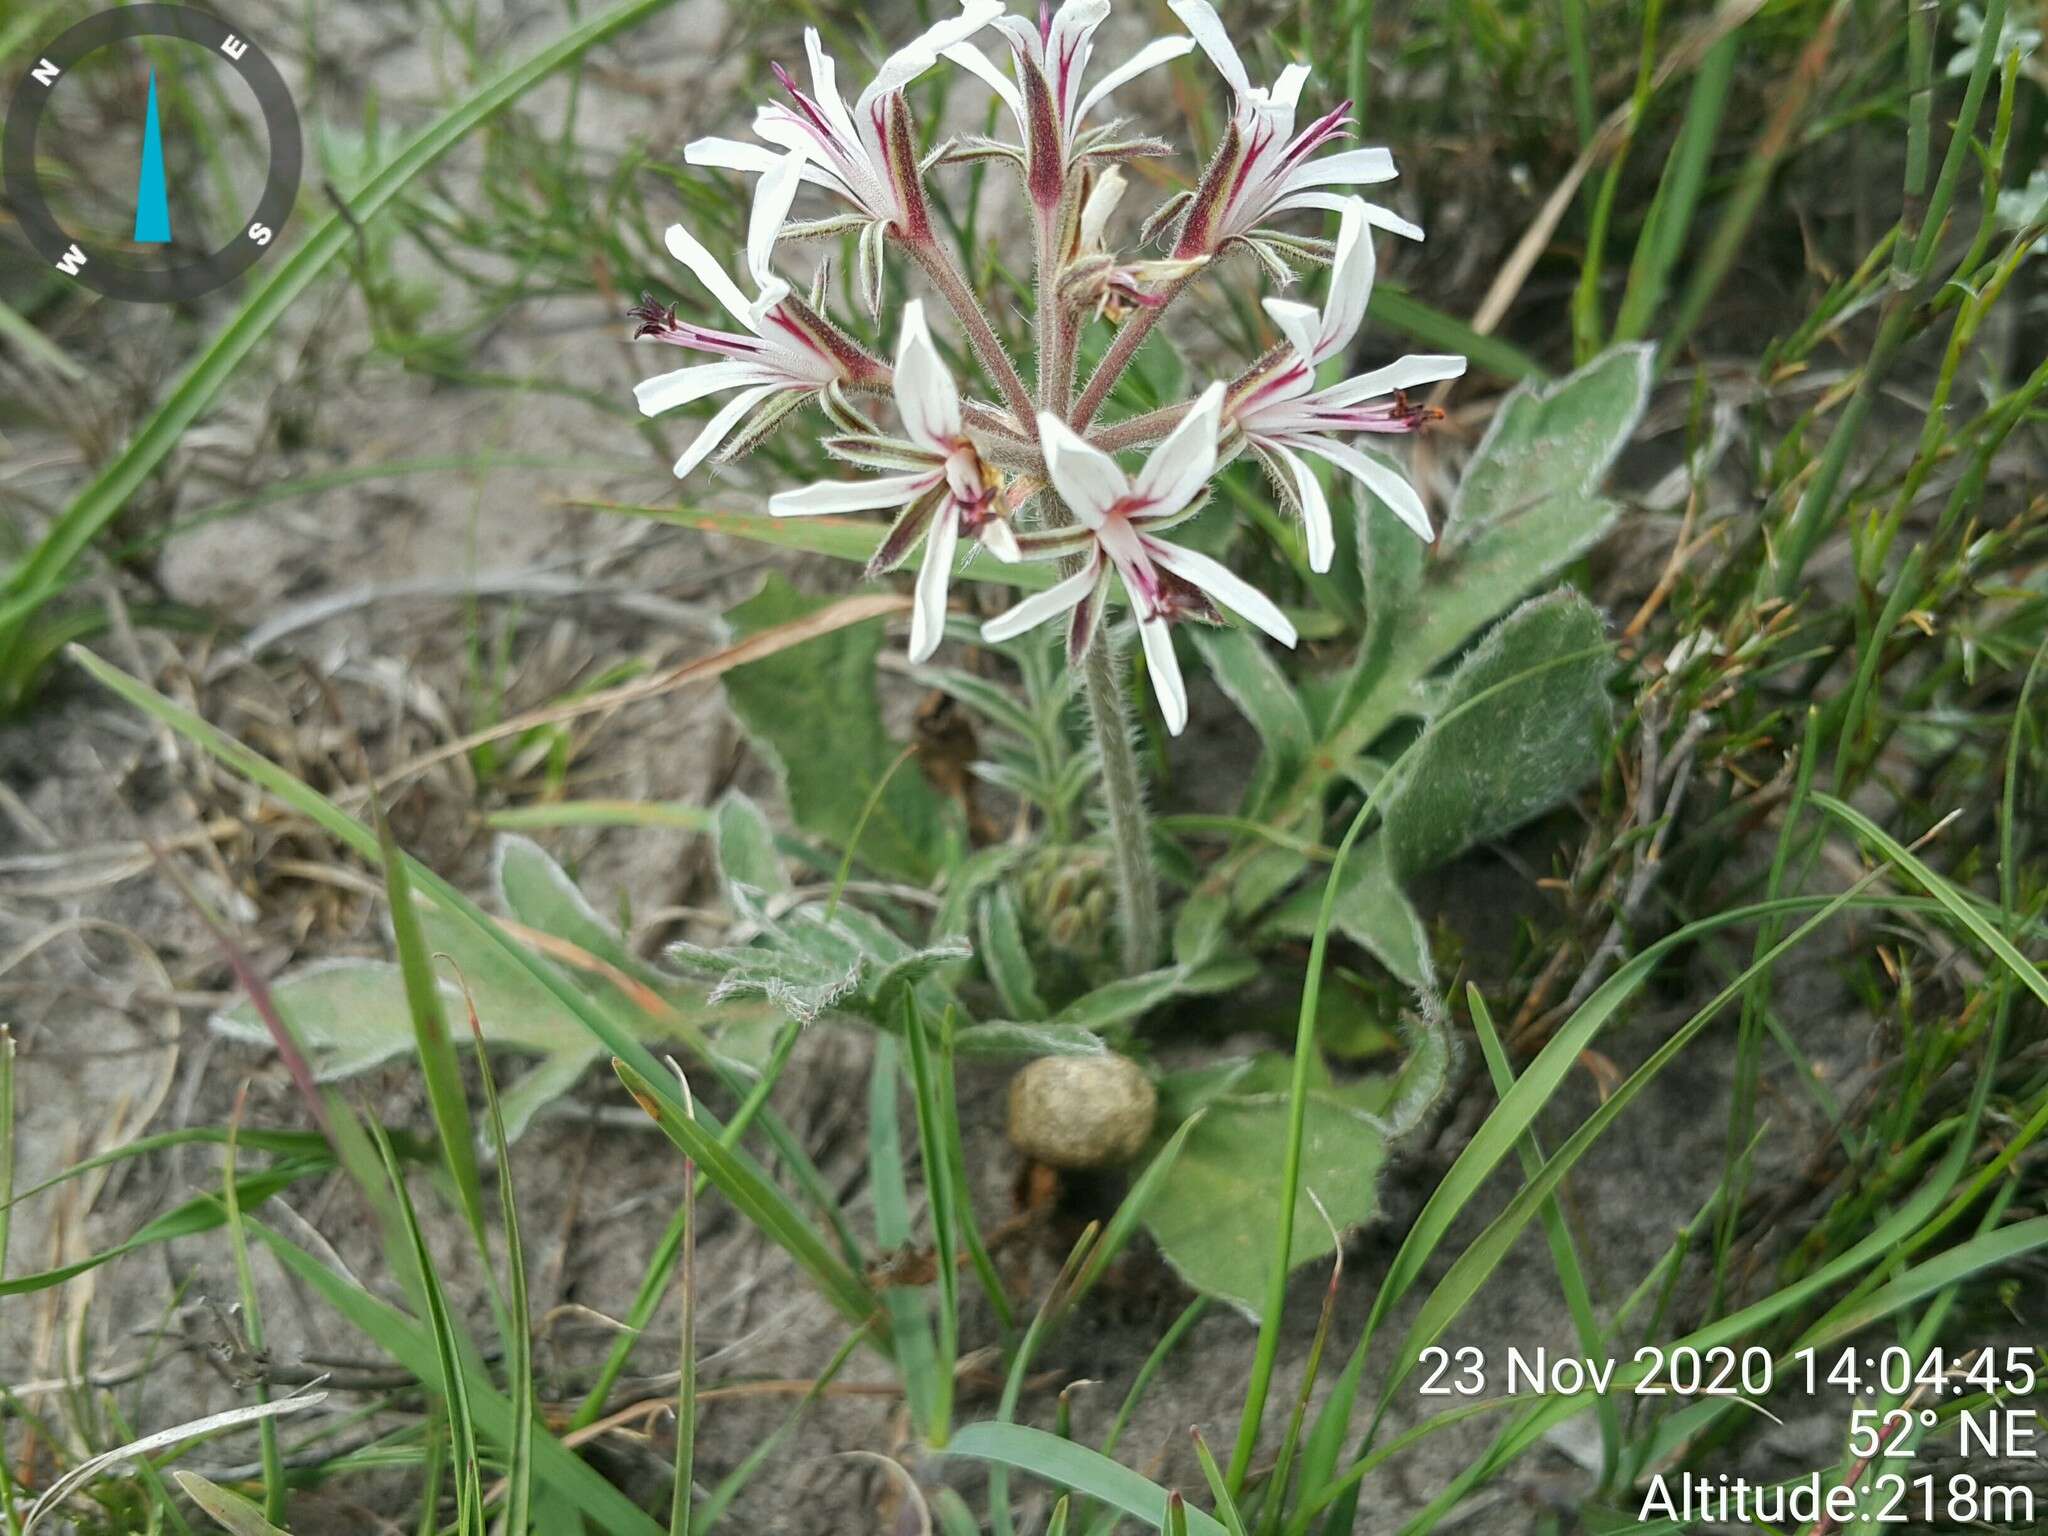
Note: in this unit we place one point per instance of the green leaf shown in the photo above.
(1551, 443)
(1216, 1216)
(813, 712)
(1371, 910)
(746, 846)
(1002, 1037)
(1518, 753)
(1065, 1464)
(538, 892)
(1122, 1000)
(231, 1511)
(1244, 669)
(1004, 957)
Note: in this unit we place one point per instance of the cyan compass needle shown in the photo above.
(152, 199)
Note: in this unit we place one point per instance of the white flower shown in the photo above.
(1264, 168)
(942, 486)
(1119, 519)
(1283, 415)
(789, 353)
(1047, 99)
(2025, 207)
(866, 156)
(2013, 36)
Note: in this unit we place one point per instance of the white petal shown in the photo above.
(922, 51)
(851, 495)
(1040, 606)
(925, 393)
(666, 391)
(976, 63)
(1402, 373)
(1159, 51)
(773, 196)
(825, 86)
(1000, 537)
(1181, 466)
(720, 427)
(1376, 477)
(1172, 689)
(689, 250)
(1315, 507)
(1206, 27)
(1351, 275)
(928, 613)
(1348, 167)
(1088, 480)
(1234, 593)
(1300, 323)
(1286, 92)
(1375, 215)
(730, 155)
(1103, 197)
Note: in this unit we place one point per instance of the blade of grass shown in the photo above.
(686, 1374)
(518, 1332)
(1571, 1278)
(741, 1180)
(1067, 1465)
(440, 1067)
(451, 1379)
(252, 1318)
(1964, 912)
(407, 1342)
(909, 1318)
(933, 1141)
(668, 1253)
(1667, 228)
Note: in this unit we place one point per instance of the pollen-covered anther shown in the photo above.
(657, 320)
(1175, 599)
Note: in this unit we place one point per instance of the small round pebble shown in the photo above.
(1082, 1111)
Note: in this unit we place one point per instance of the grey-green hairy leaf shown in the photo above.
(813, 711)
(746, 845)
(1514, 755)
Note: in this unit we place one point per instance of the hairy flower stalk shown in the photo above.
(1031, 477)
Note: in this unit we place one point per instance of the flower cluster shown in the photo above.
(1030, 475)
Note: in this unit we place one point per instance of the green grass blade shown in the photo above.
(407, 1342)
(452, 1380)
(51, 560)
(917, 1356)
(1075, 1467)
(1963, 910)
(1667, 229)
(7, 1195)
(741, 1180)
(518, 1331)
(1564, 1254)
(439, 1065)
(252, 1323)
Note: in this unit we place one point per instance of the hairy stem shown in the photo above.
(945, 275)
(1120, 353)
(1140, 431)
(1130, 832)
